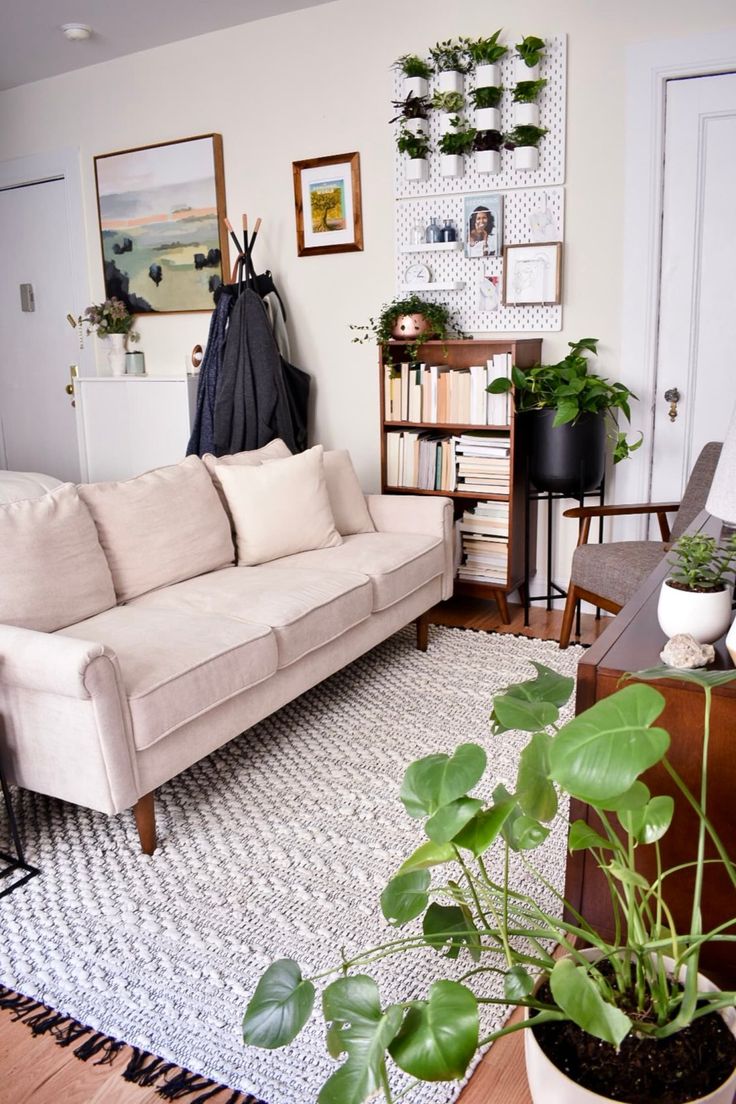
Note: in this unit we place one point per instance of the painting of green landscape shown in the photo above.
(163, 244)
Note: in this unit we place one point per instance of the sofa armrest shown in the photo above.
(66, 727)
(430, 514)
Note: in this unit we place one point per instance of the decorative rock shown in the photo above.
(684, 652)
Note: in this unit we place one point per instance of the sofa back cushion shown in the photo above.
(161, 527)
(53, 569)
(274, 450)
(279, 508)
(346, 496)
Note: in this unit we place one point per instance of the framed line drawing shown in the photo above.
(532, 275)
(161, 211)
(327, 205)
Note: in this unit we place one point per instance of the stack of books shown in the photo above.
(484, 463)
(423, 460)
(433, 394)
(484, 536)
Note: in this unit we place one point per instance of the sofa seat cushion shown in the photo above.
(615, 570)
(304, 608)
(396, 563)
(176, 665)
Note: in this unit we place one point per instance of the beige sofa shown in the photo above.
(133, 644)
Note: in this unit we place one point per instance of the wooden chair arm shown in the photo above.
(585, 514)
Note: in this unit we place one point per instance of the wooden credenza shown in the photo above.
(633, 643)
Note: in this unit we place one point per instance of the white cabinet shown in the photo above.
(130, 424)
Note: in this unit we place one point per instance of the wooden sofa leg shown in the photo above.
(145, 819)
(568, 615)
(422, 624)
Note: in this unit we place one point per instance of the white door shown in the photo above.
(37, 420)
(697, 325)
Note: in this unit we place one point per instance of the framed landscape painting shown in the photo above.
(327, 203)
(161, 209)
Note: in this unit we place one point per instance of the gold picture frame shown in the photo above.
(327, 189)
(532, 275)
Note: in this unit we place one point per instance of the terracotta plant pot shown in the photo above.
(409, 326)
(705, 615)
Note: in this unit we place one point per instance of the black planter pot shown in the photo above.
(570, 459)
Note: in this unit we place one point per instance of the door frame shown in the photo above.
(62, 164)
(650, 65)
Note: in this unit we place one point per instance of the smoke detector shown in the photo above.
(76, 32)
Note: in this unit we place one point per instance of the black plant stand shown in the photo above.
(533, 495)
(12, 864)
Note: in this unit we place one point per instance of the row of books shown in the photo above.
(432, 393)
(484, 543)
(433, 461)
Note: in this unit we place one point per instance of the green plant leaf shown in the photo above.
(361, 1029)
(526, 833)
(597, 755)
(567, 411)
(437, 780)
(517, 984)
(651, 822)
(450, 819)
(449, 926)
(439, 1036)
(627, 876)
(512, 712)
(405, 897)
(582, 837)
(499, 386)
(580, 999)
(428, 854)
(280, 1006)
(517, 377)
(534, 791)
(699, 677)
(635, 797)
(480, 832)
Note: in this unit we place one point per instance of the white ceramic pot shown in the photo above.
(487, 118)
(705, 616)
(450, 80)
(451, 164)
(524, 72)
(526, 158)
(116, 354)
(417, 168)
(526, 114)
(447, 123)
(549, 1085)
(415, 86)
(487, 76)
(416, 126)
(488, 161)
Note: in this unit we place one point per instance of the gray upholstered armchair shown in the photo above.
(608, 574)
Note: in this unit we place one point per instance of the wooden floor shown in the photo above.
(33, 1070)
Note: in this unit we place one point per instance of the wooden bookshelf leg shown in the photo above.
(503, 607)
(422, 632)
(145, 819)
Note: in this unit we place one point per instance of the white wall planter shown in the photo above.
(488, 161)
(450, 81)
(524, 72)
(487, 118)
(526, 158)
(451, 164)
(415, 86)
(526, 114)
(416, 168)
(705, 616)
(416, 126)
(487, 76)
(447, 124)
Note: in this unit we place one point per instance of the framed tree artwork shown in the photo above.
(161, 211)
(327, 202)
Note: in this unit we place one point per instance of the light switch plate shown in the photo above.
(27, 299)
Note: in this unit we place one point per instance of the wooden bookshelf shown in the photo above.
(462, 354)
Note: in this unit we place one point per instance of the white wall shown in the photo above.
(317, 82)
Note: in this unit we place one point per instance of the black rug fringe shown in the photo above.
(144, 1069)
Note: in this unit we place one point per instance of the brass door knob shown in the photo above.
(69, 389)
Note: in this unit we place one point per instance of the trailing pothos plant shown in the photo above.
(486, 97)
(530, 50)
(439, 318)
(528, 91)
(468, 910)
(524, 135)
(485, 51)
(570, 389)
(458, 141)
(416, 146)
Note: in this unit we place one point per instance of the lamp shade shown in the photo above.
(721, 500)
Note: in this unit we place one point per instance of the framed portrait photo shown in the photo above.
(161, 211)
(532, 275)
(483, 219)
(327, 205)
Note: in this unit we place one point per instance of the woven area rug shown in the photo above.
(277, 845)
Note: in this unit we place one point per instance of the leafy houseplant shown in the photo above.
(530, 50)
(524, 136)
(110, 317)
(413, 319)
(569, 410)
(450, 56)
(486, 51)
(636, 994)
(526, 92)
(415, 145)
(449, 102)
(413, 66)
(458, 142)
(487, 140)
(412, 107)
(696, 598)
(700, 563)
(486, 97)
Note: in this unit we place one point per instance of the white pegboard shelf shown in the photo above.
(432, 247)
(451, 285)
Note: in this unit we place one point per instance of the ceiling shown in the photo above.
(32, 45)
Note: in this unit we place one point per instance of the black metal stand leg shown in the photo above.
(549, 550)
(17, 862)
(527, 534)
(11, 820)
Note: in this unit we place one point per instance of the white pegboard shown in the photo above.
(518, 206)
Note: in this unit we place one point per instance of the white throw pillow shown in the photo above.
(274, 450)
(53, 569)
(346, 497)
(279, 508)
(161, 527)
